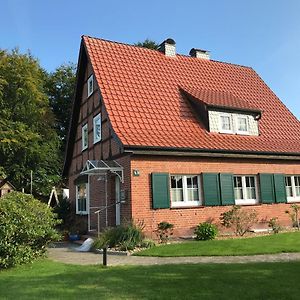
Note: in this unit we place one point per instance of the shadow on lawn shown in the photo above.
(50, 280)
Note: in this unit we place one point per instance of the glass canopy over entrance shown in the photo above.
(101, 167)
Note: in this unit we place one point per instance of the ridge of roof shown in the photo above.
(116, 42)
(177, 54)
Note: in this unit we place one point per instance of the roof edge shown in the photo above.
(169, 151)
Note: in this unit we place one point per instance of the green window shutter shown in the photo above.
(211, 189)
(160, 190)
(279, 184)
(267, 188)
(227, 191)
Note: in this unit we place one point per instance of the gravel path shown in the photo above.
(65, 253)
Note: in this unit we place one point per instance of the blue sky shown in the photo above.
(262, 34)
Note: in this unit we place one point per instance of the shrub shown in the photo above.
(147, 243)
(274, 224)
(239, 219)
(164, 231)
(294, 215)
(26, 228)
(122, 237)
(206, 231)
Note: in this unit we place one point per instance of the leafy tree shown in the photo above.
(60, 87)
(147, 43)
(28, 141)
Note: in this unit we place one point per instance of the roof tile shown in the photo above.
(141, 91)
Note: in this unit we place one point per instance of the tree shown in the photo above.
(147, 43)
(60, 87)
(28, 141)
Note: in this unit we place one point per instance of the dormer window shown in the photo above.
(234, 123)
(90, 86)
(225, 123)
(242, 124)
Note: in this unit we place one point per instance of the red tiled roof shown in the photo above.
(220, 99)
(141, 92)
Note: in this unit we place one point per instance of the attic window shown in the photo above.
(242, 124)
(84, 136)
(233, 123)
(90, 84)
(226, 123)
(97, 128)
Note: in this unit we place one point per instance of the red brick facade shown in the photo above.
(185, 219)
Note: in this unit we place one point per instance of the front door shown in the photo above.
(118, 204)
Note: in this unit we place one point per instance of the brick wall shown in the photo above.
(185, 219)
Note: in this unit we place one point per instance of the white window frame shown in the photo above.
(82, 212)
(227, 115)
(245, 132)
(294, 198)
(96, 119)
(84, 131)
(90, 85)
(185, 201)
(244, 188)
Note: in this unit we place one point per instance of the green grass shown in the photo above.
(50, 280)
(275, 243)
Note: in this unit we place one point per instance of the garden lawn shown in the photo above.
(270, 244)
(50, 280)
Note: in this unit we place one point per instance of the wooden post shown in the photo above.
(104, 256)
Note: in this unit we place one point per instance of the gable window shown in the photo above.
(185, 190)
(225, 123)
(90, 85)
(84, 136)
(245, 189)
(242, 124)
(81, 199)
(292, 187)
(97, 128)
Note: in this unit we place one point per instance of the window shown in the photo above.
(84, 136)
(90, 85)
(97, 128)
(225, 123)
(245, 191)
(185, 190)
(81, 199)
(292, 187)
(242, 124)
(233, 123)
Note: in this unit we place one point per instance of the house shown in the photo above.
(5, 187)
(158, 136)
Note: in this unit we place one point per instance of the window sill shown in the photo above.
(246, 202)
(242, 133)
(187, 205)
(84, 149)
(293, 200)
(96, 142)
(227, 132)
(81, 213)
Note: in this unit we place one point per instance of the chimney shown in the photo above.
(168, 47)
(199, 53)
